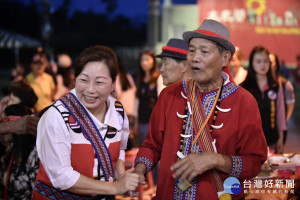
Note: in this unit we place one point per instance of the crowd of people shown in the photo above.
(199, 118)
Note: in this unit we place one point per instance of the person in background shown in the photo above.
(205, 129)
(125, 92)
(174, 64)
(269, 96)
(45, 60)
(19, 163)
(42, 84)
(19, 72)
(289, 94)
(64, 77)
(235, 66)
(82, 137)
(146, 91)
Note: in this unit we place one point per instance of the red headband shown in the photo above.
(176, 50)
(210, 33)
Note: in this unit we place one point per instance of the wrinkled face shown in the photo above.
(146, 62)
(13, 100)
(94, 85)
(171, 70)
(206, 61)
(261, 63)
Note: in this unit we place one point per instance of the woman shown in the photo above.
(82, 136)
(147, 91)
(269, 96)
(19, 164)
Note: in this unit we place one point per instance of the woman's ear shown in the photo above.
(113, 91)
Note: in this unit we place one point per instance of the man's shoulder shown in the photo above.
(172, 88)
(244, 95)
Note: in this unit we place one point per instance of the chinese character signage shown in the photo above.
(274, 24)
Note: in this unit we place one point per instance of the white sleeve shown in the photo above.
(54, 150)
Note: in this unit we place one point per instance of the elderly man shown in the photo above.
(205, 131)
(174, 64)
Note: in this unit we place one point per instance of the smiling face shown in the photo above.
(171, 70)
(206, 61)
(93, 86)
(261, 63)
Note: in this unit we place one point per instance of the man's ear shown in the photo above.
(226, 57)
(185, 66)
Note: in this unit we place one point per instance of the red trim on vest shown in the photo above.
(210, 33)
(173, 49)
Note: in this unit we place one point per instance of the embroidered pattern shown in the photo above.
(89, 129)
(190, 193)
(237, 166)
(55, 194)
(208, 100)
(146, 162)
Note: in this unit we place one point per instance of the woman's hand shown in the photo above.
(119, 169)
(127, 183)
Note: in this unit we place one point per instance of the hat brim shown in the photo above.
(171, 55)
(187, 36)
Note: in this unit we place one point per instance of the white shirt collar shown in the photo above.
(226, 78)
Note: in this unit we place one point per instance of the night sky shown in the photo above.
(128, 8)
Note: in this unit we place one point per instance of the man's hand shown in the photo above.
(197, 163)
(25, 125)
(140, 169)
(193, 165)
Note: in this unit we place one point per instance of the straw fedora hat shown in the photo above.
(213, 31)
(175, 48)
